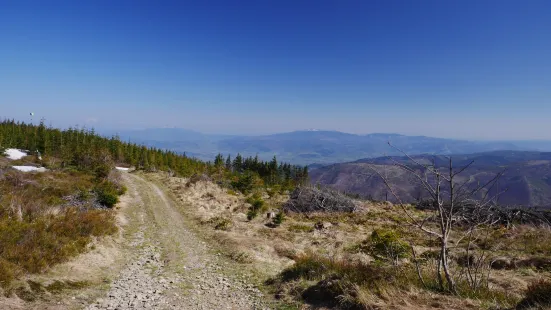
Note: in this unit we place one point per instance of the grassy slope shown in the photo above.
(292, 253)
(39, 223)
(527, 181)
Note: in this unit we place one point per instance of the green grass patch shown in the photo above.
(301, 228)
(57, 286)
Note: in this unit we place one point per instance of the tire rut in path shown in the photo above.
(189, 277)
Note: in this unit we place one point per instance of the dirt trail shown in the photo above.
(172, 267)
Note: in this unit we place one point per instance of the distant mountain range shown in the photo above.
(314, 146)
(527, 176)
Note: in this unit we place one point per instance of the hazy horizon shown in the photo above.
(215, 133)
(475, 70)
(110, 130)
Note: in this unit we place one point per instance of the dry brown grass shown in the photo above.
(38, 229)
(349, 284)
(34, 246)
(274, 249)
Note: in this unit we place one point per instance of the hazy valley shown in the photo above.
(314, 147)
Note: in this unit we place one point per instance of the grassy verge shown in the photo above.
(46, 218)
(332, 282)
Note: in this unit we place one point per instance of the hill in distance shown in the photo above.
(527, 176)
(314, 146)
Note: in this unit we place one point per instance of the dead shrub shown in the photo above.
(313, 199)
(196, 178)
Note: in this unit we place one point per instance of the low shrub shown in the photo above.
(57, 286)
(34, 246)
(385, 244)
(107, 193)
(32, 238)
(8, 272)
(244, 183)
(279, 218)
(251, 214)
(33, 193)
(535, 242)
(315, 267)
(538, 295)
(253, 198)
(102, 171)
(221, 223)
(273, 190)
(329, 292)
(122, 190)
(241, 257)
(257, 205)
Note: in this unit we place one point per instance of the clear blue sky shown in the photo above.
(467, 69)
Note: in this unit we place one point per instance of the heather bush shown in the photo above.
(107, 193)
(35, 246)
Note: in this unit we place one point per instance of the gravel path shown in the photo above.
(172, 268)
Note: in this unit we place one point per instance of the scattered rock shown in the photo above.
(145, 283)
(323, 225)
(502, 263)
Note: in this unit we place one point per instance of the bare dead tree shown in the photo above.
(453, 203)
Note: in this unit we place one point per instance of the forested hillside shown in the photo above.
(85, 149)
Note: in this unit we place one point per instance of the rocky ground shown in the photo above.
(172, 267)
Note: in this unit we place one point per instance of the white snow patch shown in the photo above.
(15, 154)
(122, 168)
(29, 168)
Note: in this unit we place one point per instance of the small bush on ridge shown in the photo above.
(387, 244)
(279, 218)
(108, 194)
(257, 204)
